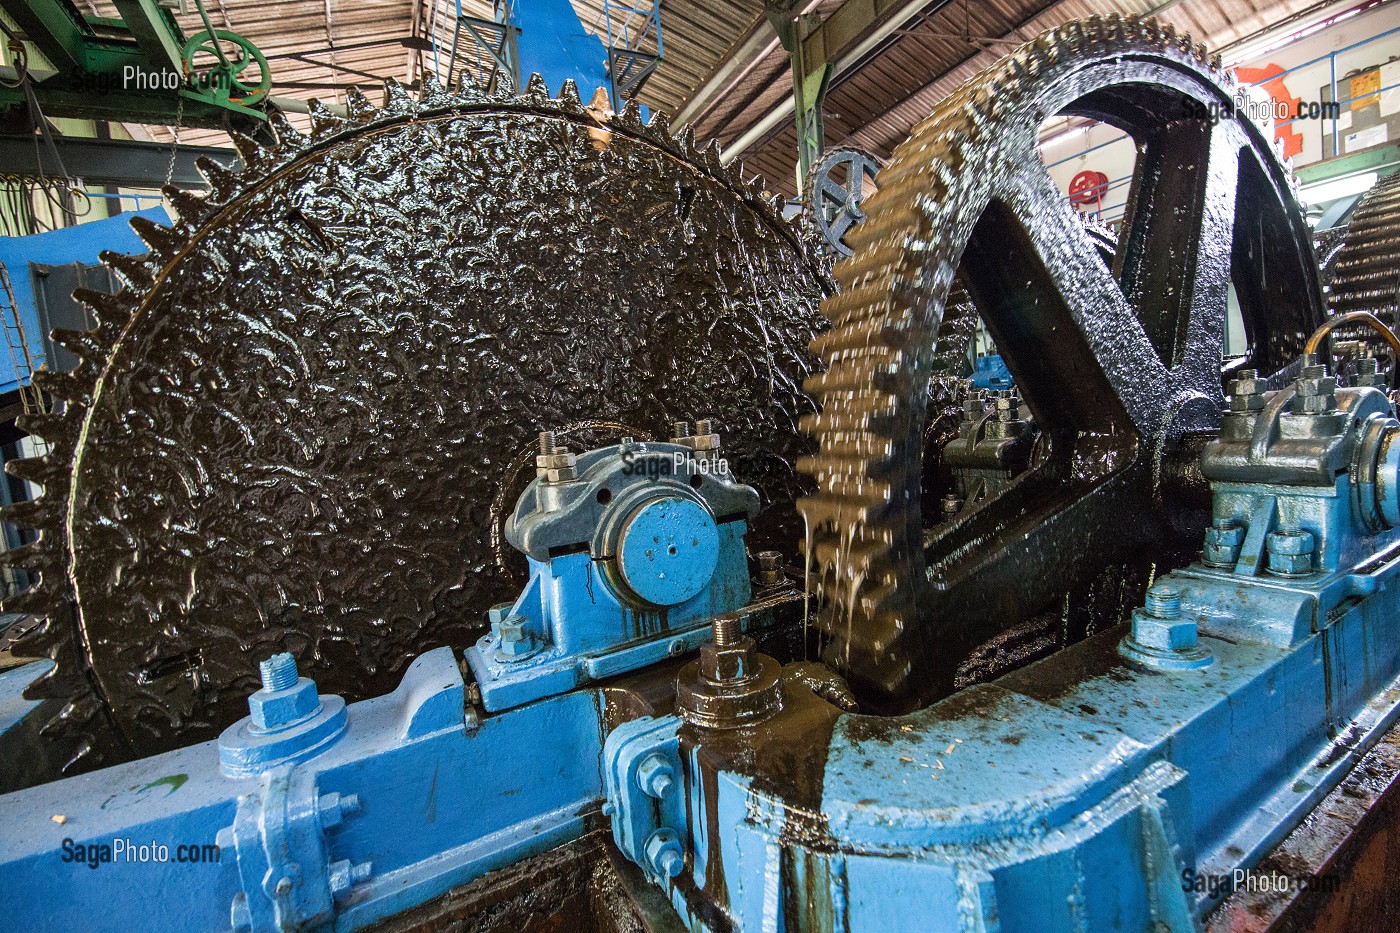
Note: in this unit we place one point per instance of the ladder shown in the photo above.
(30, 396)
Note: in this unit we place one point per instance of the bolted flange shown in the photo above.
(1163, 638)
(732, 685)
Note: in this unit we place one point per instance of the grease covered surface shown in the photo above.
(295, 442)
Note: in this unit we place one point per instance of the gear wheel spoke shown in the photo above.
(1120, 365)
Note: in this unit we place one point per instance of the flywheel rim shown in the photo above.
(895, 631)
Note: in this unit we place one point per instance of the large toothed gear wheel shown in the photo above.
(1363, 260)
(287, 432)
(1120, 365)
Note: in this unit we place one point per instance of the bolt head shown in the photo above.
(731, 663)
(1229, 535)
(1164, 634)
(272, 710)
(663, 853)
(1246, 402)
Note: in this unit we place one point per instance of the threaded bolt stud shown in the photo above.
(1164, 602)
(279, 672)
(547, 445)
(704, 426)
(726, 632)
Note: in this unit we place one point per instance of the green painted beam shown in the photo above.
(156, 32)
(1367, 160)
(56, 28)
(135, 107)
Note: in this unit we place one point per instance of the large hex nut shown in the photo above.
(1223, 543)
(1164, 634)
(730, 663)
(272, 710)
(1243, 403)
(556, 467)
(1290, 552)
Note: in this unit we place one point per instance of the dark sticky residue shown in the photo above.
(785, 758)
(295, 446)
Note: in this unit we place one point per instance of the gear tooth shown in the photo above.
(30, 469)
(26, 554)
(223, 181)
(67, 386)
(712, 156)
(685, 140)
(32, 513)
(52, 427)
(134, 270)
(433, 93)
(630, 116)
(192, 206)
(106, 307)
(324, 123)
(536, 89)
(569, 96)
(77, 712)
(397, 100)
(660, 125)
(83, 343)
(32, 601)
(600, 106)
(359, 107)
(77, 764)
(758, 188)
(250, 151)
(736, 173)
(290, 140)
(163, 241)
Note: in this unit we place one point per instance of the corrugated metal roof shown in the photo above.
(724, 46)
(876, 105)
(697, 37)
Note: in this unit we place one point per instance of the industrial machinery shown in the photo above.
(1074, 656)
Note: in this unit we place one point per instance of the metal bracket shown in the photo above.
(279, 838)
(643, 774)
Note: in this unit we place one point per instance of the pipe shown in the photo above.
(1353, 317)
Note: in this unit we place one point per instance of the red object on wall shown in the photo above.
(1270, 78)
(1088, 187)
